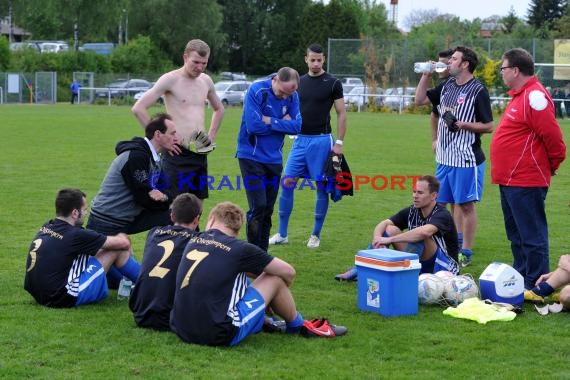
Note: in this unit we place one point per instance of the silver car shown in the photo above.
(231, 92)
(359, 96)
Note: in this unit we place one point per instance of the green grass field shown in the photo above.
(46, 148)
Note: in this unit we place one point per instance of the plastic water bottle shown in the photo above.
(427, 67)
(124, 291)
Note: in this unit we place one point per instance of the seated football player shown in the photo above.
(548, 283)
(152, 296)
(215, 305)
(425, 228)
(66, 264)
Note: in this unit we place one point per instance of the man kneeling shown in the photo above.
(430, 232)
(215, 305)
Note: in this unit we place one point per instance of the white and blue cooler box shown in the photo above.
(388, 281)
(502, 283)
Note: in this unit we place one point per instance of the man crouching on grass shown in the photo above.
(214, 303)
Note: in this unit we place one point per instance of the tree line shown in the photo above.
(251, 36)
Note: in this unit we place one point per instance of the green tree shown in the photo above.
(4, 54)
(140, 55)
(510, 21)
(543, 13)
(175, 22)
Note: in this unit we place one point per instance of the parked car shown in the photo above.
(139, 95)
(226, 75)
(53, 47)
(399, 98)
(123, 88)
(15, 46)
(359, 96)
(349, 83)
(231, 93)
(102, 48)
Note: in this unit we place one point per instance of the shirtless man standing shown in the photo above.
(185, 92)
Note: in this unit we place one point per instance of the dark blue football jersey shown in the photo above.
(210, 281)
(57, 256)
(152, 296)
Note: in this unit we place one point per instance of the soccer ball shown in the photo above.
(444, 275)
(430, 289)
(459, 288)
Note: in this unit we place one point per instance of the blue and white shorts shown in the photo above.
(460, 185)
(92, 283)
(251, 312)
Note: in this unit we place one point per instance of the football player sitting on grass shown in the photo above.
(215, 305)
(548, 283)
(431, 233)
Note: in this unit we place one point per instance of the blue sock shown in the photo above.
(417, 248)
(467, 252)
(460, 239)
(285, 209)
(114, 274)
(131, 269)
(543, 289)
(295, 325)
(321, 208)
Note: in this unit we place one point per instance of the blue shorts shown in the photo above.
(251, 312)
(308, 156)
(439, 261)
(92, 283)
(460, 185)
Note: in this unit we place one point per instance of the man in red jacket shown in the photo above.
(526, 150)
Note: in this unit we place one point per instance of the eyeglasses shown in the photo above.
(505, 67)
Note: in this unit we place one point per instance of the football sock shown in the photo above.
(543, 289)
(285, 209)
(321, 208)
(460, 239)
(131, 269)
(114, 273)
(295, 325)
(467, 252)
(417, 248)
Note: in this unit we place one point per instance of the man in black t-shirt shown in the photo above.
(318, 93)
(66, 264)
(151, 300)
(430, 232)
(214, 303)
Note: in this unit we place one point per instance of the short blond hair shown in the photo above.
(229, 214)
(198, 46)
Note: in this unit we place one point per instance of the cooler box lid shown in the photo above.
(387, 259)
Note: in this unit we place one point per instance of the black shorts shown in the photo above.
(184, 171)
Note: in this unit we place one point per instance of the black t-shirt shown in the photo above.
(446, 235)
(211, 280)
(57, 256)
(317, 95)
(153, 294)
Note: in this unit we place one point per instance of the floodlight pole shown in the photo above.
(126, 26)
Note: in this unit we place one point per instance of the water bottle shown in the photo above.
(124, 291)
(427, 67)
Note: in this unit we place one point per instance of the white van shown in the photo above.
(53, 47)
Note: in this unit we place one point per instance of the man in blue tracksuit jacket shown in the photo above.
(271, 111)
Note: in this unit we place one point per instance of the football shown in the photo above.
(430, 289)
(460, 288)
(444, 275)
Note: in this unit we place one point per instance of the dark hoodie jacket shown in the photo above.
(124, 192)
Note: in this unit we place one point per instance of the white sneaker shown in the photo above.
(314, 242)
(278, 239)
